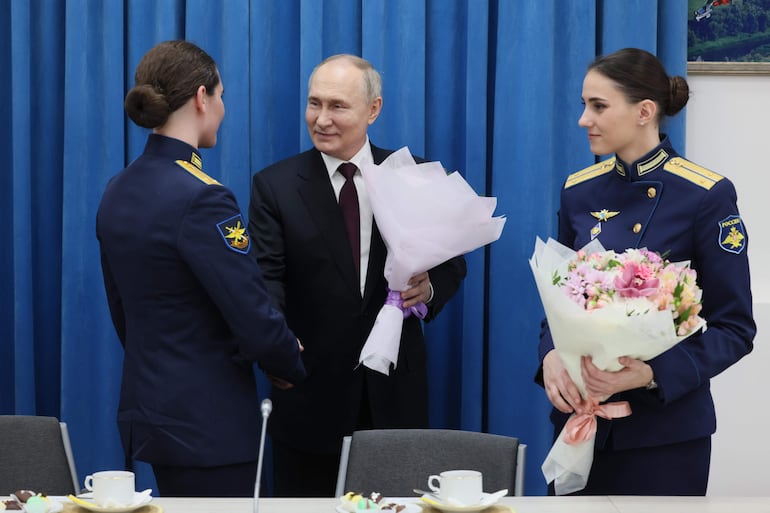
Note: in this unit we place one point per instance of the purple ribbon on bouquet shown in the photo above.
(394, 299)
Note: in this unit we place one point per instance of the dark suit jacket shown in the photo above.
(302, 247)
(191, 310)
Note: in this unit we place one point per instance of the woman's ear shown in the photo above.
(648, 111)
(201, 98)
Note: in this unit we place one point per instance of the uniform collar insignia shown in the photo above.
(196, 161)
(604, 214)
(645, 165)
(650, 164)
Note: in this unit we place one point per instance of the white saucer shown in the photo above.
(487, 501)
(140, 499)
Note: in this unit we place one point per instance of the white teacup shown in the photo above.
(111, 487)
(460, 487)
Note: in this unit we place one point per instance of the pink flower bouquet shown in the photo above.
(607, 305)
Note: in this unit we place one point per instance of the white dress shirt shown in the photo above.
(364, 156)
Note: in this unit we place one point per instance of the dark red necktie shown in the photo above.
(349, 206)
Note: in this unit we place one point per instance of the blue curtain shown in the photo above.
(489, 88)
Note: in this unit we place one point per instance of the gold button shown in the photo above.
(651, 192)
(637, 227)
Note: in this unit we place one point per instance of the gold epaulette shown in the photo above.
(692, 172)
(599, 169)
(196, 172)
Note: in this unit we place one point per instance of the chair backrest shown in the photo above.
(394, 462)
(35, 454)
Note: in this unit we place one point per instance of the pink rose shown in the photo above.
(636, 280)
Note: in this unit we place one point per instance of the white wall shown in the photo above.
(728, 131)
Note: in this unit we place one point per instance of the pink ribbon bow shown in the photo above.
(581, 427)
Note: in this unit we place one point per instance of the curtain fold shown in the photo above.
(7, 286)
(22, 197)
(94, 140)
(46, 148)
(456, 112)
(490, 88)
(276, 102)
(526, 182)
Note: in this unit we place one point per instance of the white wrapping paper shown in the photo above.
(425, 217)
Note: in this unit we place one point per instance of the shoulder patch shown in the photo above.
(692, 172)
(233, 232)
(732, 234)
(197, 173)
(590, 172)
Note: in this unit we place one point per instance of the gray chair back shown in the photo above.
(393, 462)
(35, 454)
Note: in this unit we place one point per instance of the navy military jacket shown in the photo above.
(190, 307)
(668, 204)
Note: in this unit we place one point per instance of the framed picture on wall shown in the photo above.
(729, 37)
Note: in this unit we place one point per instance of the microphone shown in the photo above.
(266, 408)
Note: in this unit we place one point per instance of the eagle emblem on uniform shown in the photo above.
(233, 231)
(604, 214)
(732, 234)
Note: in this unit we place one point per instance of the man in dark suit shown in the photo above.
(310, 267)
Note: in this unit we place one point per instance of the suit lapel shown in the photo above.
(317, 193)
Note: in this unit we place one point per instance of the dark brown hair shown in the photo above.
(641, 76)
(167, 76)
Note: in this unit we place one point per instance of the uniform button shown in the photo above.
(637, 227)
(651, 192)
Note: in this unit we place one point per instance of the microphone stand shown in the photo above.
(266, 408)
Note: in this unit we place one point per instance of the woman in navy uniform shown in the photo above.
(186, 297)
(649, 196)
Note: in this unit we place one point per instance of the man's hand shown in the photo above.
(419, 291)
(282, 384)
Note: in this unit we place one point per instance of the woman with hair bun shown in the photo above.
(185, 293)
(647, 195)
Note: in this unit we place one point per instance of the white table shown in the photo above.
(269, 505)
(612, 504)
(599, 504)
(691, 504)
